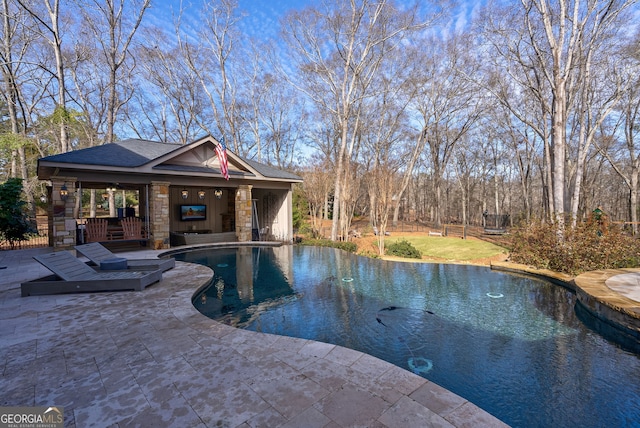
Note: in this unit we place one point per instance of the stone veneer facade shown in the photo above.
(62, 228)
(159, 212)
(243, 213)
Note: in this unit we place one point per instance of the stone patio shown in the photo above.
(150, 359)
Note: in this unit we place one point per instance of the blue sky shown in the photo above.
(262, 16)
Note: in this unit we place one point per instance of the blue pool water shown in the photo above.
(512, 345)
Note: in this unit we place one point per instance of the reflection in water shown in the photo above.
(244, 274)
(524, 356)
(246, 281)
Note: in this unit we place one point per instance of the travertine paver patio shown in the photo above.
(150, 359)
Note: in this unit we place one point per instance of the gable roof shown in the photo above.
(149, 157)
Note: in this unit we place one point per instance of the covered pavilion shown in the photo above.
(183, 196)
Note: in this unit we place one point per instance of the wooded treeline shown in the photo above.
(389, 109)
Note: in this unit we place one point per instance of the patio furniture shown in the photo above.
(131, 228)
(96, 229)
(196, 237)
(74, 276)
(376, 232)
(264, 233)
(101, 256)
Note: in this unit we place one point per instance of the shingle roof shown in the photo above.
(133, 153)
(127, 153)
(269, 171)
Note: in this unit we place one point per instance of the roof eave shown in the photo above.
(47, 170)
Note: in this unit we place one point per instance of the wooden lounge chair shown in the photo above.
(96, 229)
(74, 276)
(98, 255)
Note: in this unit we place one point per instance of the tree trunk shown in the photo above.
(337, 186)
(92, 203)
(558, 160)
(112, 203)
(633, 199)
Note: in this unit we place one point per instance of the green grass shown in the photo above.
(451, 248)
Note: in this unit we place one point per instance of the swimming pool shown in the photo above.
(513, 345)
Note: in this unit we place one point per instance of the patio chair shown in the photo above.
(96, 229)
(74, 276)
(264, 233)
(376, 232)
(100, 255)
(131, 228)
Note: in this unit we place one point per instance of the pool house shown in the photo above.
(181, 192)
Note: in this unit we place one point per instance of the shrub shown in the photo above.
(14, 226)
(305, 229)
(403, 249)
(368, 253)
(586, 247)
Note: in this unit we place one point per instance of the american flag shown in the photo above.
(221, 151)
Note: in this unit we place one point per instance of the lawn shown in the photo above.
(448, 249)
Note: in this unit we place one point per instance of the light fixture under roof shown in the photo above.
(64, 192)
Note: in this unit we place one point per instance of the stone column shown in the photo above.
(243, 213)
(62, 224)
(159, 212)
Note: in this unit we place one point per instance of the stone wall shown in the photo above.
(62, 224)
(159, 212)
(243, 213)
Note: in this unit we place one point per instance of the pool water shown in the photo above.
(512, 345)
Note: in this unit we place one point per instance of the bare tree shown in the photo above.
(386, 143)
(211, 59)
(171, 110)
(49, 26)
(522, 147)
(17, 39)
(597, 98)
(339, 50)
(447, 107)
(562, 38)
(113, 24)
(384, 183)
(316, 185)
(283, 118)
(627, 129)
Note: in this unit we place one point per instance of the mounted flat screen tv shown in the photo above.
(193, 212)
